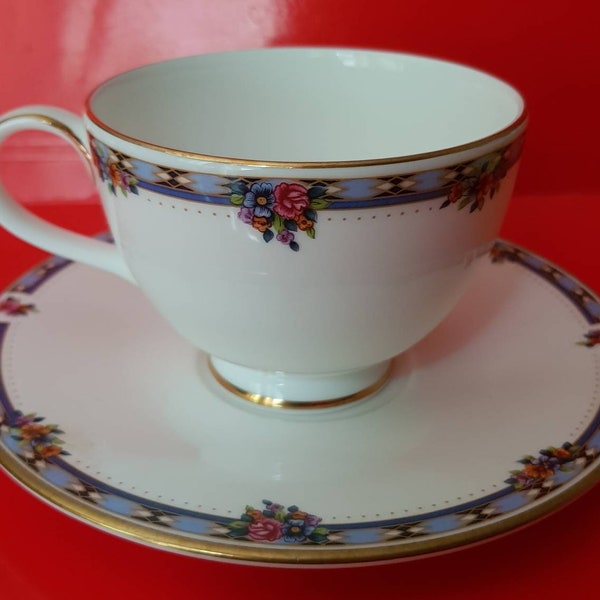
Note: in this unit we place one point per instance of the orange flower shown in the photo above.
(30, 431)
(304, 223)
(260, 223)
(496, 254)
(456, 192)
(48, 451)
(560, 453)
(484, 187)
(299, 515)
(256, 515)
(115, 177)
(538, 471)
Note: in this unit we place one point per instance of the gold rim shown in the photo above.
(254, 553)
(61, 129)
(282, 403)
(333, 164)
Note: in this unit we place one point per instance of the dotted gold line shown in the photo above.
(361, 217)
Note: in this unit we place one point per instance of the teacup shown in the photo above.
(301, 215)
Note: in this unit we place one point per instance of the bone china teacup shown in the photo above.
(301, 215)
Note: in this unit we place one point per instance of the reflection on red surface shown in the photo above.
(63, 48)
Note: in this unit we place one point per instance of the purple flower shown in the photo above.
(100, 158)
(285, 237)
(21, 419)
(260, 199)
(245, 215)
(546, 461)
(312, 521)
(272, 506)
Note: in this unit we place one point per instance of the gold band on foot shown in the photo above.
(270, 402)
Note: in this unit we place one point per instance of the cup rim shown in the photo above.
(517, 123)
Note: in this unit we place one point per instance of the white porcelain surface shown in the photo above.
(420, 467)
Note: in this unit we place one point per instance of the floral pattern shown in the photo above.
(538, 470)
(274, 523)
(591, 338)
(497, 253)
(481, 179)
(109, 170)
(281, 210)
(14, 307)
(34, 437)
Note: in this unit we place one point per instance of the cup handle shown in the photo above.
(36, 231)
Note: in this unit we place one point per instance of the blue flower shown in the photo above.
(260, 199)
(296, 530)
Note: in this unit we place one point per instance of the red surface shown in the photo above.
(54, 52)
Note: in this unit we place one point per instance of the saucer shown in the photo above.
(487, 425)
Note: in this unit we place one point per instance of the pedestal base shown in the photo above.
(279, 389)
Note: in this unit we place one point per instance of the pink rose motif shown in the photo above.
(10, 306)
(265, 530)
(291, 200)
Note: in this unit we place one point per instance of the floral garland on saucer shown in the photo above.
(274, 523)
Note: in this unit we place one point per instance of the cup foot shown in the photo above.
(279, 389)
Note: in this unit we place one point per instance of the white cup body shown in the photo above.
(396, 230)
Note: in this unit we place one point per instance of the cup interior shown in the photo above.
(305, 105)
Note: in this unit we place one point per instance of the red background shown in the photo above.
(55, 52)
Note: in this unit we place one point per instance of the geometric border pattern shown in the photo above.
(341, 193)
